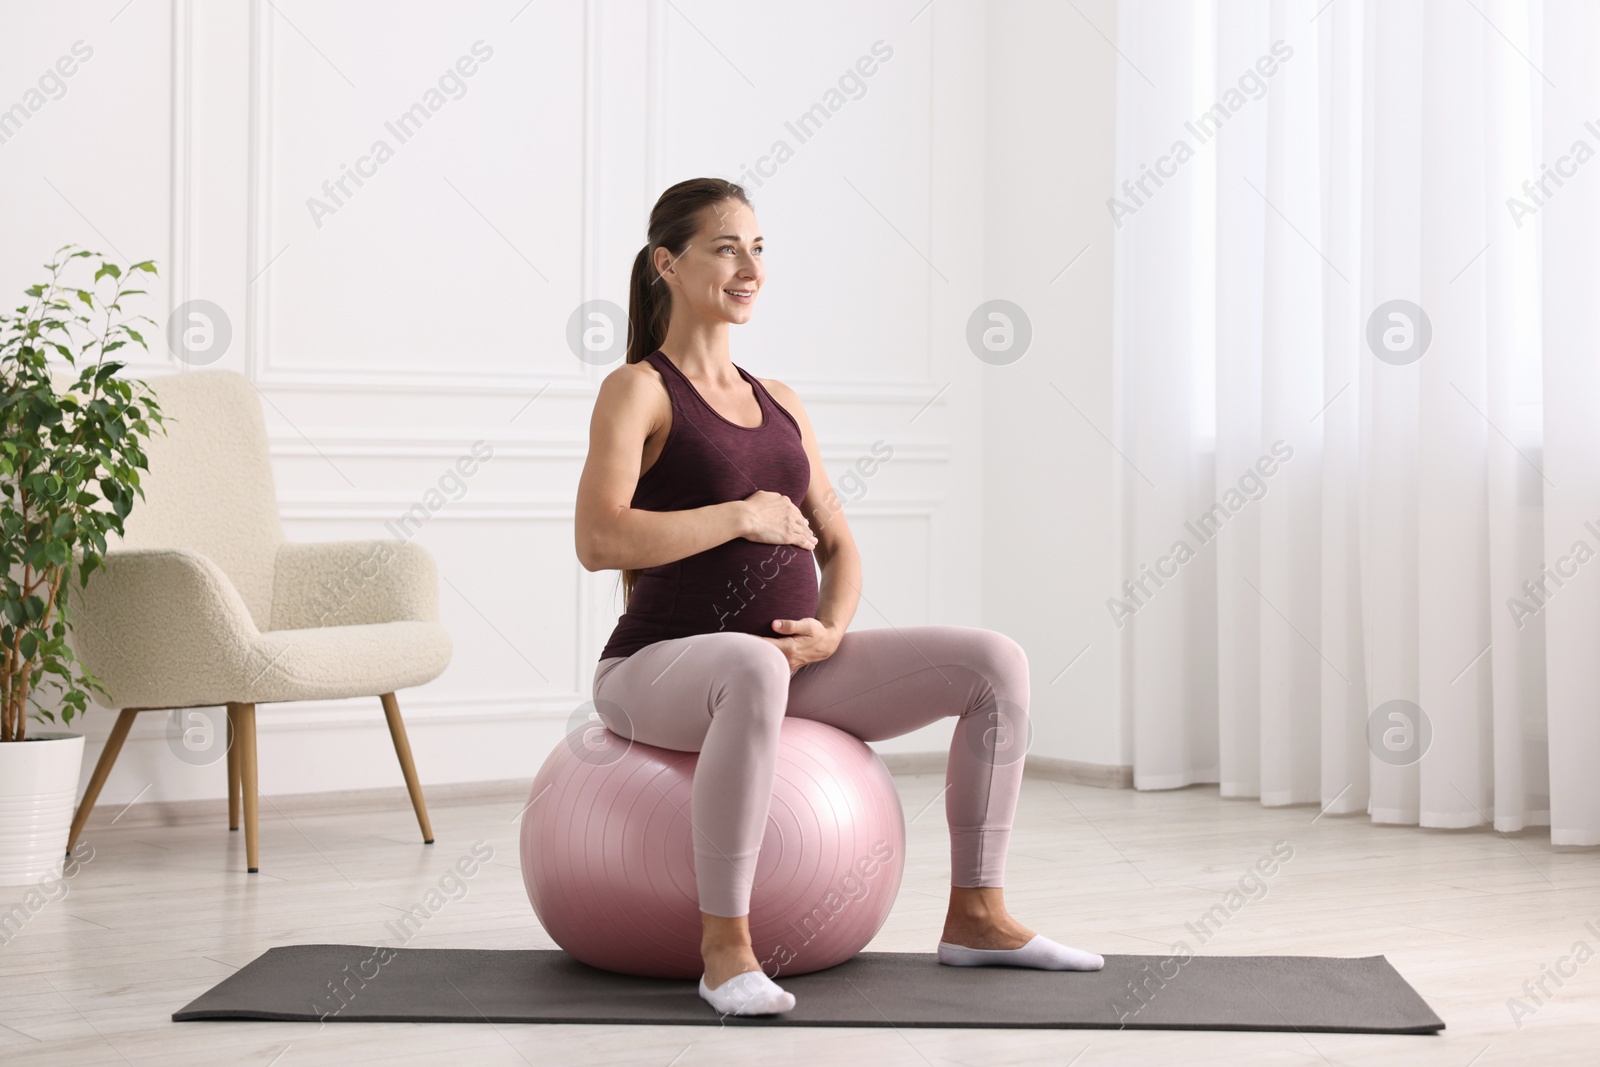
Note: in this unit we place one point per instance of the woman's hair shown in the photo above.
(674, 221)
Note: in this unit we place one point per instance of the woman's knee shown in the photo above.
(999, 659)
(753, 676)
(999, 733)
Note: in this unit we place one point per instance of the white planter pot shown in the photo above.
(38, 785)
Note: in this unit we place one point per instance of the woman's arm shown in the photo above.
(610, 533)
(836, 552)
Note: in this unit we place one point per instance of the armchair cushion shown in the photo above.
(184, 637)
(330, 662)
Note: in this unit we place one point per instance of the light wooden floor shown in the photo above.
(160, 913)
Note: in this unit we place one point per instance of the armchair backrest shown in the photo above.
(210, 487)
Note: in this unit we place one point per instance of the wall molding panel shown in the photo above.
(386, 338)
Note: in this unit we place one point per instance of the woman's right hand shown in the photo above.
(773, 519)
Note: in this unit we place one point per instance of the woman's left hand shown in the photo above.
(810, 640)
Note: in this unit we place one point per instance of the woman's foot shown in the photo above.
(1001, 932)
(977, 918)
(978, 931)
(1039, 952)
(722, 962)
(747, 993)
(735, 984)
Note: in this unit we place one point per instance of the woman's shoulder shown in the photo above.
(631, 376)
(635, 387)
(789, 400)
(780, 392)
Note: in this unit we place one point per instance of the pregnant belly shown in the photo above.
(743, 585)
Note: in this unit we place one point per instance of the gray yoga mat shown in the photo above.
(1312, 993)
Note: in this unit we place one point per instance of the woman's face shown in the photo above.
(720, 273)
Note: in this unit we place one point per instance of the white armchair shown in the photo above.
(203, 603)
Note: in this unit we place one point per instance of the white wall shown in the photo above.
(430, 309)
(1049, 533)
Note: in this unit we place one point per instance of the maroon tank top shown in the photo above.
(739, 585)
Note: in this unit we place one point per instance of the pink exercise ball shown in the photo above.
(608, 853)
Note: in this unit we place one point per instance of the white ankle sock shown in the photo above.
(747, 993)
(1041, 952)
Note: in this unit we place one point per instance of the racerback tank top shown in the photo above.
(739, 585)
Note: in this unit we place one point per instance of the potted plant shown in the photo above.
(69, 464)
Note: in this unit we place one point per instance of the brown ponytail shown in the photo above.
(674, 221)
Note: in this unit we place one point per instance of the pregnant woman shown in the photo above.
(704, 486)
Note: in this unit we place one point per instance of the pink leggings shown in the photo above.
(723, 694)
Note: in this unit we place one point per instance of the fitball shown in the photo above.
(608, 853)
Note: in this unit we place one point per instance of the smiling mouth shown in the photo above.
(740, 292)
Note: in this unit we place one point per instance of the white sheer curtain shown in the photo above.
(1312, 533)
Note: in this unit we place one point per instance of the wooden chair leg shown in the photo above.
(233, 771)
(402, 748)
(102, 771)
(244, 718)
